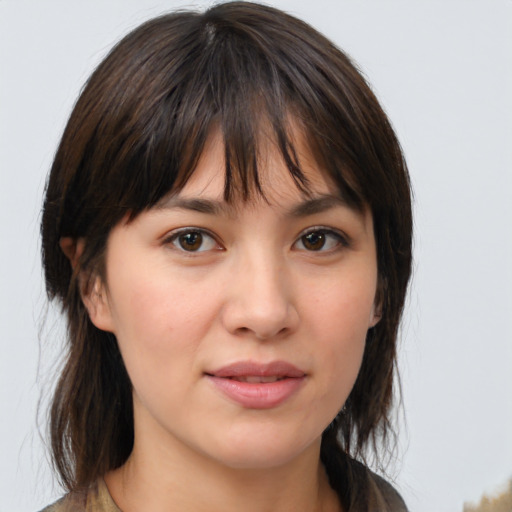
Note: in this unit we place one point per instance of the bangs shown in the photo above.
(232, 84)
(151, 105)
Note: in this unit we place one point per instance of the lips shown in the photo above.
(254, 379)
(257, 386)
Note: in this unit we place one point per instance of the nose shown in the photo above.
(260, 299)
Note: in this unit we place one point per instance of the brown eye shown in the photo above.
(320, 240)
(193, 240)
(313, 241)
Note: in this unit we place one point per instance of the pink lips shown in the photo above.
(258, 386)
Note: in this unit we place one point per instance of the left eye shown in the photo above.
(319, 240)
(193, 240)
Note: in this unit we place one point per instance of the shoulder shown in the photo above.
(359, 488)
(72, 502)
(385, 496)
(94, 499)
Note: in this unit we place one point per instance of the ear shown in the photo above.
(375, 315)
(92, 289)
(376, 312)
(96, 301)
(72, 249)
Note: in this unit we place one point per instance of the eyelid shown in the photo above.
(171, 236)
(342, 237)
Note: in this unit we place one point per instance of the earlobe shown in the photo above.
(92, 289)
(376, 312)
(95, 299)
(375, 316)
(72, 249)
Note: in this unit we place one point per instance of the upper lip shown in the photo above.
(252, 368)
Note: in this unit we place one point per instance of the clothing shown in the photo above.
(359, 489)
(95, 499)
(383, 497)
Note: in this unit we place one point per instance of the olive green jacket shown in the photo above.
(98, 499)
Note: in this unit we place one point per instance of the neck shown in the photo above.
(183, 480)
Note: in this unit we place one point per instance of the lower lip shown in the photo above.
(260, 395)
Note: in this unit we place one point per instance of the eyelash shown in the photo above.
(174, 237)
(324, 233)
(341, 239)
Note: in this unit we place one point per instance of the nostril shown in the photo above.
(259, 315)
(261, 333)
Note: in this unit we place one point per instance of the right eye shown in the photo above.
(320, 240)
(192, 240)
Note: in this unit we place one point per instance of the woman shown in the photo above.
(227, 224)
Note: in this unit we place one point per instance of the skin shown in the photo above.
(254, 291)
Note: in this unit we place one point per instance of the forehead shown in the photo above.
(277, 184)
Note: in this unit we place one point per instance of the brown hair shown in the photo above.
(135, 135)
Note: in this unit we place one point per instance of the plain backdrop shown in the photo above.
(443, 71)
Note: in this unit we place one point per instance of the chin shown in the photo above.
(261, 450)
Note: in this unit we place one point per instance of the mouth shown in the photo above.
(258, 386)
(255, 379)
(249, 371)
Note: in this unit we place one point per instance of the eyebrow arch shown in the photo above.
(208, 206)
(317, 205)
(311, 206)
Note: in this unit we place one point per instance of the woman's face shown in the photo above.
(242, 327)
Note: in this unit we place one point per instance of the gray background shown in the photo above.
(443, 71)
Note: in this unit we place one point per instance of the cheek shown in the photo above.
(339, 319)
(160, 322)
(343, 309)
(159, 327)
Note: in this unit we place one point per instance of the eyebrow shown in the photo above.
(316, 205)
(208, 206)
(308, 207)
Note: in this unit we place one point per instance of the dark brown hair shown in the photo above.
(135, 135)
